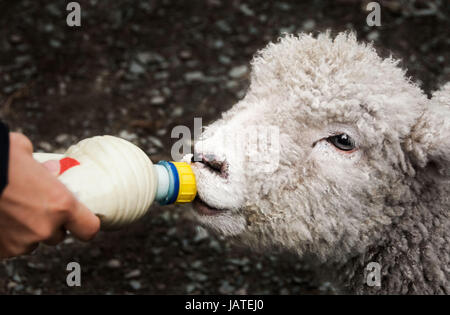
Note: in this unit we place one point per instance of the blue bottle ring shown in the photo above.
(174, 183)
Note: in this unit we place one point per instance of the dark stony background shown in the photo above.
(138, 68)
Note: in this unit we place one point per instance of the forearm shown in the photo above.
(4, 156)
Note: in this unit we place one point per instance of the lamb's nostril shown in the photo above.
(212, 162)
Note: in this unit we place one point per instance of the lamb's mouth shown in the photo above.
(204, 209)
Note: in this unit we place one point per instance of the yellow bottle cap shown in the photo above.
(188, 187)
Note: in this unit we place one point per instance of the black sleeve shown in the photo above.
(4, 156)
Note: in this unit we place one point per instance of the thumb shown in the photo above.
(53, 166)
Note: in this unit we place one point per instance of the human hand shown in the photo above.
(36, 207)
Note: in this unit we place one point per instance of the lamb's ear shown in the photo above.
(430, 137)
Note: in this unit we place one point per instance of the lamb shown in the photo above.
(363, 166)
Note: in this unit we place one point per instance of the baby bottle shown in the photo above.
(118, 182)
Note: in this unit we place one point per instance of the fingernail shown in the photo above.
(52, 166)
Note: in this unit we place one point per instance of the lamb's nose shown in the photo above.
(212, 162)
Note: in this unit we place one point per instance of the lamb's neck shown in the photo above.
(413, 258)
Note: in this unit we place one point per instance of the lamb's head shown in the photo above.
(321, 154)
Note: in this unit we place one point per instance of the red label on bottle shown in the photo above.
(66, 163)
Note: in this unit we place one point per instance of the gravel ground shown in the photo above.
(136, 69)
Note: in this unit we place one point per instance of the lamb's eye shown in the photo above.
(342, 142)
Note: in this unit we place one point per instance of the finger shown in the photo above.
(82, 223)
(57, 237)
(53, 166)
(15, 249)
(22, 141)
(23, 250)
